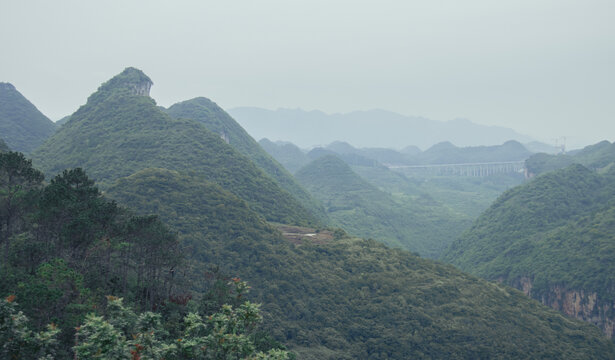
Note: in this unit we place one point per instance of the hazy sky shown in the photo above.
(544, 68)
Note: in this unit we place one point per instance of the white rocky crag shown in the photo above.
(141, 88)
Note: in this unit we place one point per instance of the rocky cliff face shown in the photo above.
(580, 304)
(141, 88)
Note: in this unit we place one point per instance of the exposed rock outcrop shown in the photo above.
(141, 88)
(579, 304)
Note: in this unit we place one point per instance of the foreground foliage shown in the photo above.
(123, 334)
(64, 246)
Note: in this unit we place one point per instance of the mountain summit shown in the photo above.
(131, 79)
(120, 131)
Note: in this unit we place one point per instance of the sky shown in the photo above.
(545, 68)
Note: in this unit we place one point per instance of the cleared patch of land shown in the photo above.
(299, 235)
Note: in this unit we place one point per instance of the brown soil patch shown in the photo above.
(302, 235)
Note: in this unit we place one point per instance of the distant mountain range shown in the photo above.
(372, 128)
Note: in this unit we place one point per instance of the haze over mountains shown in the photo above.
(325, 294)
(373, 128)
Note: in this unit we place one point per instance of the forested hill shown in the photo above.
(218, 121)
(420, 224)
(553, 238)
(442, 153)
(328, 296)
(120, 130)
(595, 156)
(22, 126)
(64, 247)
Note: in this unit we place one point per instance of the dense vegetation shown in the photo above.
(22, 126)
(595, 156)
(118, 132)
(555, 234)
(332, 297)
(218, 121)
(418, 224)
(467, 197)
(351, 298)
(121, 333)
(64, 246)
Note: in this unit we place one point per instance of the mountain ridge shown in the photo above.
(218, 121)
(22, 126)
(120, 130)
(380, 128)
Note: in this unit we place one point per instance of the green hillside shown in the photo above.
(552, 237)
(415, 223)
(595, 156)
(208, 216)
(466, 196)
(347, 298)
(22, 126)
(218, 121)
(120, 130)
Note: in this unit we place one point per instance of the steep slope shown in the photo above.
(552, 238)
(418, 224)
(218, 121)
(120, 130)
(356, 299)
(22, 126)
